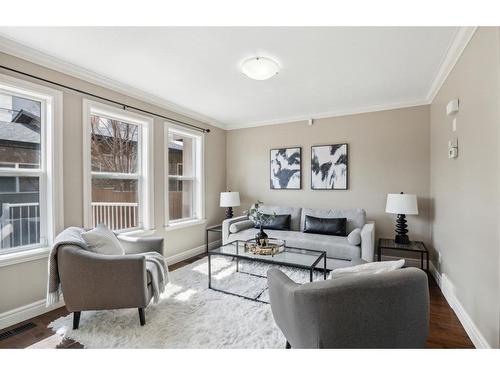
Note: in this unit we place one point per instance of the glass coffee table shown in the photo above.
(290, 257)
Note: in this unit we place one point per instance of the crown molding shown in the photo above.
(455, 50)
(323, 115)
(32, 55)
(457, 47)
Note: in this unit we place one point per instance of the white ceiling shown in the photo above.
(325, 70)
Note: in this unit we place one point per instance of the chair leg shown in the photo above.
(142, 318)
(288, 346)
(76, 319)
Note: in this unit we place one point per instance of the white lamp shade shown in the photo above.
(229, 199)
(402, 204)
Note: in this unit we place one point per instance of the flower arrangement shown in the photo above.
(260, 219)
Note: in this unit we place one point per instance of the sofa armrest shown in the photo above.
(138, 245)
(227, 223)
(368, 242)
(93, 281)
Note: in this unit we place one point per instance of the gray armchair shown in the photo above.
(91, 281)
(389, 310)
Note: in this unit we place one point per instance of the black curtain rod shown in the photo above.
(124, 106)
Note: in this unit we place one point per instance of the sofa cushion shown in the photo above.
(283, 210)
(323, 225)
(356, 217)
(335, 246)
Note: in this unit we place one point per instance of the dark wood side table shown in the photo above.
(413, 246)
(216, 229)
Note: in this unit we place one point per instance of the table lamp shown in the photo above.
(401, 205)
(229, 199)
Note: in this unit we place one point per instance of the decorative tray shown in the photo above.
(272, 247)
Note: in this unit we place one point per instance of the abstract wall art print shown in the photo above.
(329, 167)
(285, 167)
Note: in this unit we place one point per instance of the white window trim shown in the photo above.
(51, 183)
(146, 185)
(200, 198)
(184, 224)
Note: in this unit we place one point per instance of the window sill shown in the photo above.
(184, 224)
(134, 232)
(24, 256)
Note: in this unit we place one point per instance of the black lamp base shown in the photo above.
(229, 212)
(401, 230)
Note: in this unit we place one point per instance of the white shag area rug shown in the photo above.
(189, 315)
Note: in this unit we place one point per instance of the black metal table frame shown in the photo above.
(422, 252)
(214, 229)
(322, 255)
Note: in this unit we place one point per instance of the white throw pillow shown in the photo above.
(354, 238)
(241, 225)
(103, 241)
(372, 268)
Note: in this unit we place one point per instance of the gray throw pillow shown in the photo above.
(101, 240)
(354, 238)
(241, 225)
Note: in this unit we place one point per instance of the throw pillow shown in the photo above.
(241, 225)
(372, 268)
(323, 225)
(280, 222)
(354, 238)
(101, 240)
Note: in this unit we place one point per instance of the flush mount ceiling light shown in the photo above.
(260, 68)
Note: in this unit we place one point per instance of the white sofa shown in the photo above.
(336, 247)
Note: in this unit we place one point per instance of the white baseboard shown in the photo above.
(26, 312)
(176, 258)
(448, 290)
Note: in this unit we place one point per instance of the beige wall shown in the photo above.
(27, 281)
(388, 153)
(465, 225)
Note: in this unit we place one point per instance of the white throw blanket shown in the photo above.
(69, 236)
(156, 266)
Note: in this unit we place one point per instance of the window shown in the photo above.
(30, 151)
(117, 168)
(185, 175)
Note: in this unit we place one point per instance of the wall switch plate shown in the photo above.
(452, 153)
(453, 148)
(452, 107)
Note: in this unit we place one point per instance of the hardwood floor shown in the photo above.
(445, 330)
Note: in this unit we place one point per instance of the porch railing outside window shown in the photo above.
(116, 215)
(19, 224)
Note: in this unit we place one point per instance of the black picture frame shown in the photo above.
(271, 186)
(346, 163)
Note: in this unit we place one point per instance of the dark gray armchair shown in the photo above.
(91, 281)
(388, 310)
